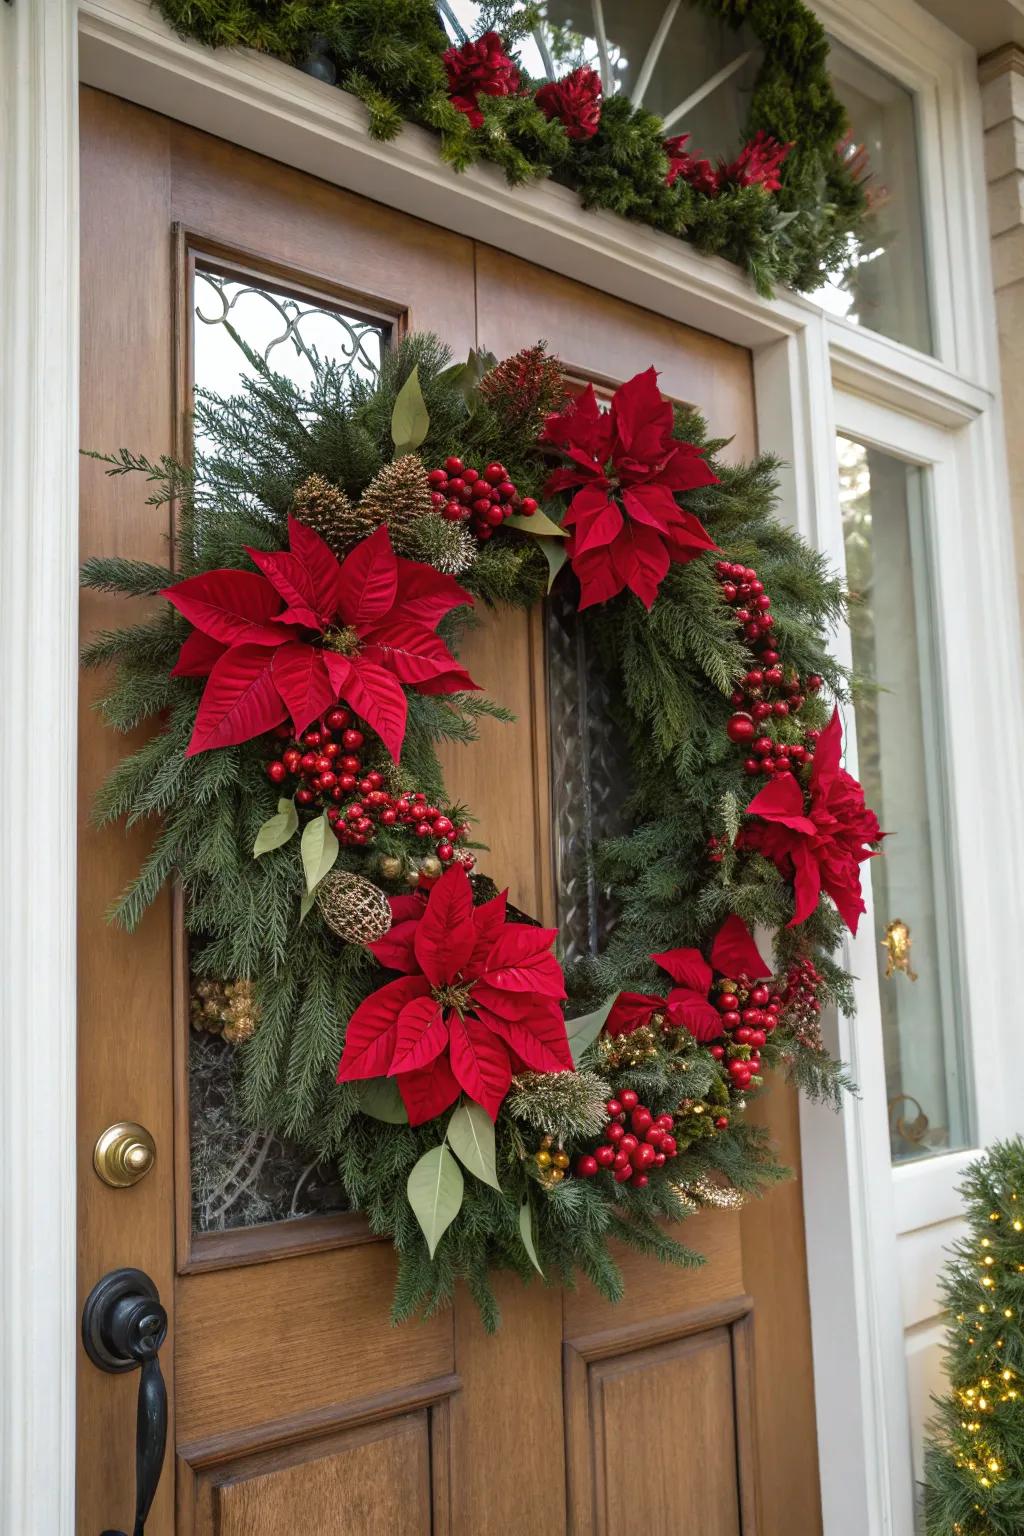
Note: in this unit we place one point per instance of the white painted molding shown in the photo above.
(38, 642)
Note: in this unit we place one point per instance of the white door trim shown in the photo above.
(38, 643)
(260, 103)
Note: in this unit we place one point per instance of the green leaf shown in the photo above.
(540, 525)
(306, 905)
(555, 555)
(582, 1032)
(379, 1097)
(435, 1191)
(277, 830)
(526, 1233)
(409, 419)
(471, 1136)
(319, 851)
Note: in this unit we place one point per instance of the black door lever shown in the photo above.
(123, 1327)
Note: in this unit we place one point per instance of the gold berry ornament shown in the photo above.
(225, 1008)
(355, 909)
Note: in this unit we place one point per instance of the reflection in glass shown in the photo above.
(241, 1177)
(885, 285)
(900, 734)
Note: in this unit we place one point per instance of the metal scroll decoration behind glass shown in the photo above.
(240, 1177)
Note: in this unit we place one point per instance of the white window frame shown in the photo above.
(853, 1203)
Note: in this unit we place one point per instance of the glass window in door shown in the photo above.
(900, 739)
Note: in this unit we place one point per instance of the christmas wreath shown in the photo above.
(390, 1010)
(787, 207)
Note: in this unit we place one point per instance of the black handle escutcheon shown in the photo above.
(123, 1327)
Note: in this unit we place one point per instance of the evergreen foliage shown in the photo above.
(670, 673)
(389, 54)
(974, 1465)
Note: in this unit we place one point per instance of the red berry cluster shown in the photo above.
(327, 764)
(767, 693)
(482, 498)
(629, 1154)
(801, 1000)
(750, 1011)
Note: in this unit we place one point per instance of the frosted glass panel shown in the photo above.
(885, 287)
(900, 740)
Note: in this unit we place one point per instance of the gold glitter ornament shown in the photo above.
(430, 866)
(353, 908)
(700, 1193)
(225, 1008)
(391, 867)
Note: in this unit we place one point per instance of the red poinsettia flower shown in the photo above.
(757, 164)
(311, 630)
(575, 100)
(700, 173)
(479, 68)
(479, 1000)
(626, 523)
(819, 846)
(733, 953)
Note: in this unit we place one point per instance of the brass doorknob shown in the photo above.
(124, 1154)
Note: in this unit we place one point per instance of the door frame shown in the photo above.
(799, 353)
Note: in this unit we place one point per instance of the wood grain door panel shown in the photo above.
(297, 1407)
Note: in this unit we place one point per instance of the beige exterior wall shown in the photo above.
(1002, 92)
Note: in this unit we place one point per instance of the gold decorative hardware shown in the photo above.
(897, 945)
(124, 1154)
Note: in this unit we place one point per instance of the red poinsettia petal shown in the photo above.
(373, 1029)
(579, 424)
(827, 763)
(422, 1035)
(377, 696)
(597, 518)
(520, 960)
(688, 538)
(414, 654)
(406, 908)
(321, 563)
(651, 504)
(429, 1092)
(782, 801)
(480, 1062)
(369, 581)
(630, 1011)
(642, 417)
(396, 949)
(198, 655)
(448, 682)
(734, 953)
(425, 595)
(234, 607)
(642, 559)
(446, 933)
(806, 885)
(488, 920)
(686, 469)
(688, 967)
(845, 891)
(694, 1013)
(599, 576)
(292, 581)
(239, 701)
(303, 681)
(537, 1034)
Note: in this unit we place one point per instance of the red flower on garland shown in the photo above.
(479, 1000)
(575, 100)
(757, 164)
(733, 953)
(312, 630)
(479, 68)
(821, 846)
(701, 174)
(626, 524)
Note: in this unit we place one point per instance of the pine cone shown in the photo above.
(226, 1008)
(355, 909)
(398, 496)
(328, 511)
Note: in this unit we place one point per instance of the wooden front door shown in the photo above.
(296, 1407)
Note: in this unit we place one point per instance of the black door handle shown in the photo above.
(123, 1327)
